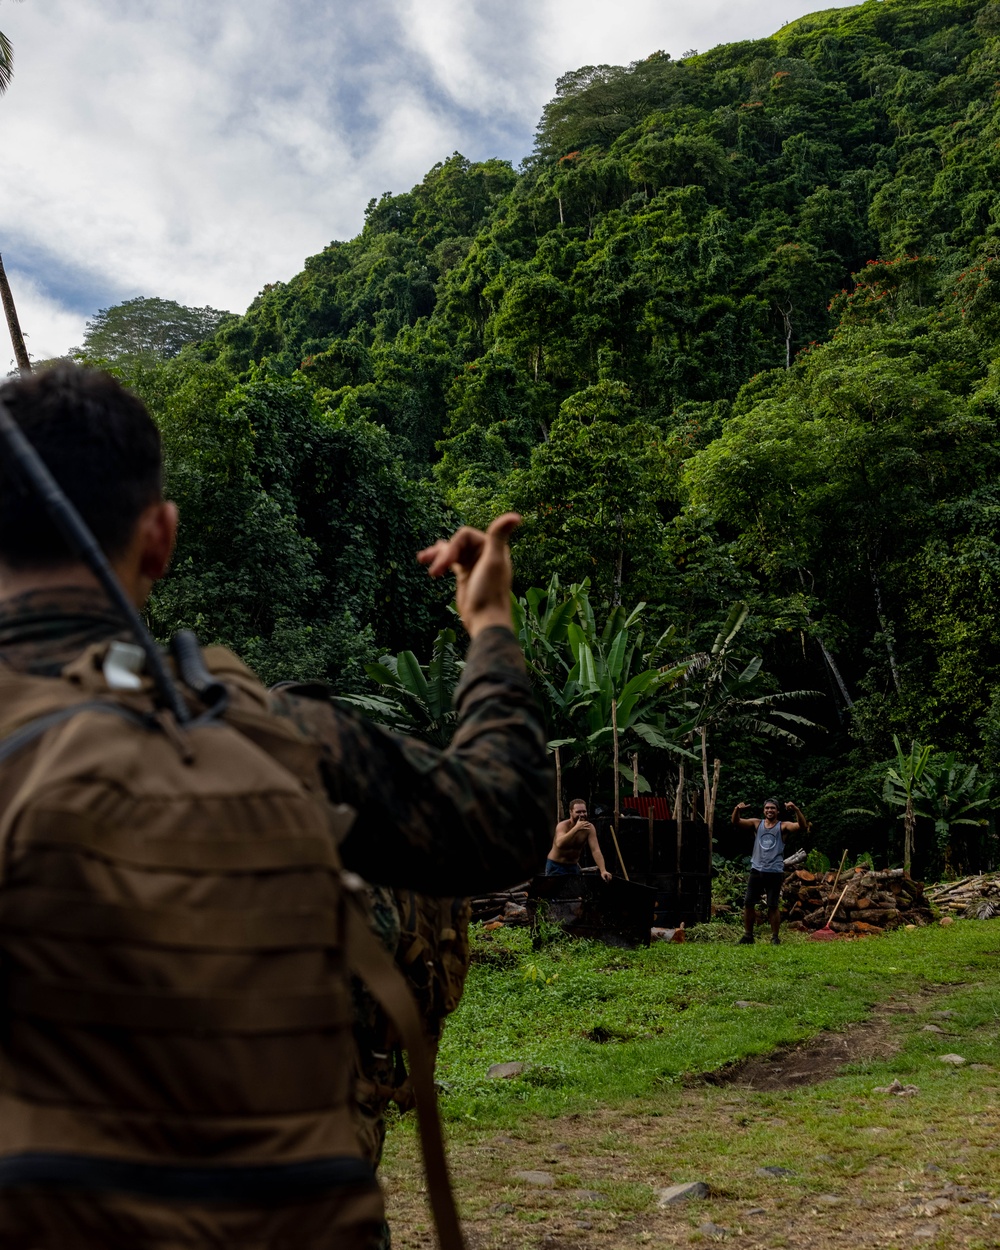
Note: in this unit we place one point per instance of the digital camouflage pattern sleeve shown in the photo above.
(475, 816)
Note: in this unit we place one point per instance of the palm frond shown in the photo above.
(6, 62)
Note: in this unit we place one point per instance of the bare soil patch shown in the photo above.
(824, 1056)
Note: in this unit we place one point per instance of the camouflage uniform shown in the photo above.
(444, 823)
(472, 817)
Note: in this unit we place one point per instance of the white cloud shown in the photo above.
(198, 151)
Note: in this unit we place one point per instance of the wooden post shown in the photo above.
(634, 757)
(679, 813)
(713, 795)
(559, 796)
(618, 814)
(650, 873)
(614, 740)
(13, 325)
(909, 822)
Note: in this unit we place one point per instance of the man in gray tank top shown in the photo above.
(767, 863)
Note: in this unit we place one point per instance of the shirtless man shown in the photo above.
(767, 863)
(572, 836)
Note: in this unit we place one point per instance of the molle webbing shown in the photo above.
(67, 1003)
(176, 939)
(253, 1185)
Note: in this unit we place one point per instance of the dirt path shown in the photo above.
(793, 1152)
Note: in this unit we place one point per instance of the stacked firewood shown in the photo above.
(975, 898)
(873, 901)
(506, 906)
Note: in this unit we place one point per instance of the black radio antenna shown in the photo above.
(77, 533)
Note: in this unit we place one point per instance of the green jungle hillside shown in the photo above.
(730, 335)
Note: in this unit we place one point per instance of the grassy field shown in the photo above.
(611, 1122)
(600, 1025)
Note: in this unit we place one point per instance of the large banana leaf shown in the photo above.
(412, 675)
(616, 657)
(576, 639)
(652, 737)
(384, 675)
(557, 619)
(442, 673)
(634, 779)
(588, 679)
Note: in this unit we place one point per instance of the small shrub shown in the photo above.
(817, 862)
(536, 976)
(546, 932)
(729, 882)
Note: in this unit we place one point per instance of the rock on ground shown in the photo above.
(504, 1071)
(681, 1193)
(542, 1180)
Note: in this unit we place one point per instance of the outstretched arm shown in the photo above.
(595, 850)
(476, 815)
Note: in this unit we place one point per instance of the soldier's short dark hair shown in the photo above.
(573, 803)
(101, 446)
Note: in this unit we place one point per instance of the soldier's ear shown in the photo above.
(156, 534)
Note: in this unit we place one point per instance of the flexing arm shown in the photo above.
(799, 824)
(595, 850)
(742, 822)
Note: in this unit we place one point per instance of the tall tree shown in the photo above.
(147, 328)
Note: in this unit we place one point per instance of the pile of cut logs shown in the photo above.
(873, 901)
(975, 898)
(506, 906)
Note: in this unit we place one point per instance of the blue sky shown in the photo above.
(198, 151)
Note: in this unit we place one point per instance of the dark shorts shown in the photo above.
(768, 883)
(552, 869)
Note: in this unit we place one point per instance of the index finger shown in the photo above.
(446, 552)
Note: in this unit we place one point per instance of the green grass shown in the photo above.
(669, 1012)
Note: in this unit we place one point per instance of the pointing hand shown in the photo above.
(483, 571)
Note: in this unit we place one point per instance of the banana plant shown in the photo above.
(949, 792)
(900, 788)
(580, 672)
(417, 700)
(726, 691)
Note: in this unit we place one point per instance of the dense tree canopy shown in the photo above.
(732, 333)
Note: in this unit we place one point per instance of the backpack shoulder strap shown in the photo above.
(26, 734)
(368, 961)
(221, 662)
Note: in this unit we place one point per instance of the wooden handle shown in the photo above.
(837, 903)
(619, 850)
